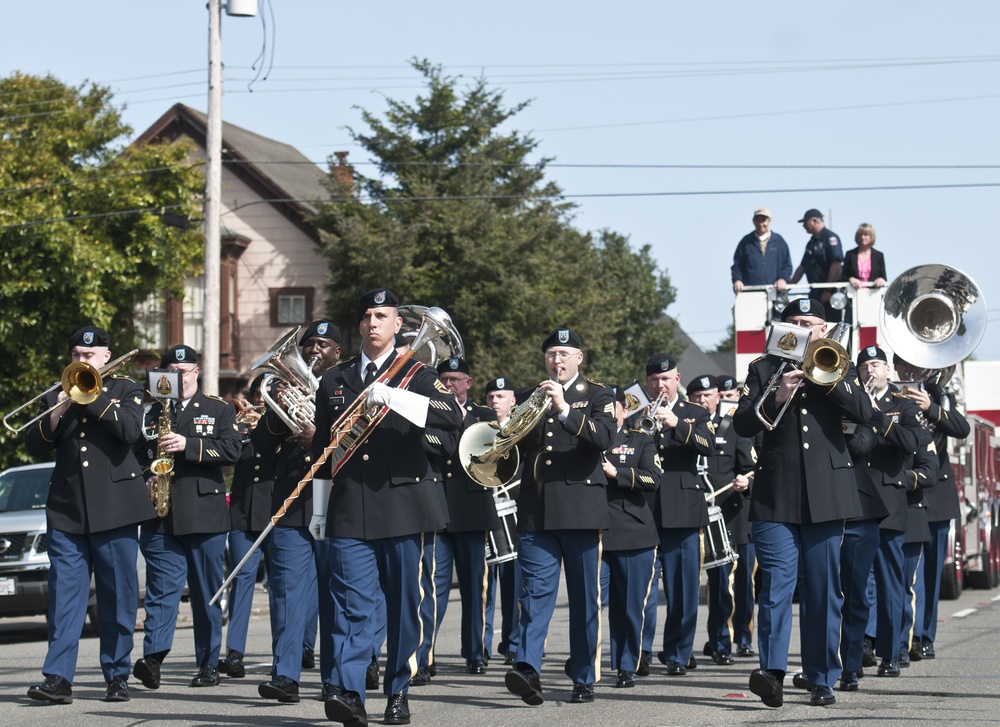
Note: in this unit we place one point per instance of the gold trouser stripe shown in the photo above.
(600, 624)
(412, 661)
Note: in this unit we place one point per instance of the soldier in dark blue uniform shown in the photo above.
(96, 499)
(942, 414)
(921, 475)
(462, 545)
(189, 544)
(629, 546)
(804, 489)
(898, 427)
(377, 510)
(297, 561)
(249, 512)
(731, 462)
(743, 575)
(684, 431)
(822, 259)
(562, 508)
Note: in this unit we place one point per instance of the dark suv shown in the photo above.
(24, 557)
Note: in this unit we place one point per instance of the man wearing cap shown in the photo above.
(189, 544)
(629, 544)
(684, 432)
(386, 499)
(95, 501)
(762, 257)
(803, 491)
(946, 420)
(823, 257)
(462, 545)
(898, 430)
(731, 463)
(562, 508)
(500, 397)
(297, 561)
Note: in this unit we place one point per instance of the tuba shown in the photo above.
(431, 351)
(487, 451)
(297, 398)
(933, 317)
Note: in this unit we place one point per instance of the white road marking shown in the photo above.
(996, 598)
(964, 612)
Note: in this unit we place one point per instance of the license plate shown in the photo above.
(8, 586)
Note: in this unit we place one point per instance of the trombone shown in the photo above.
(82, 383)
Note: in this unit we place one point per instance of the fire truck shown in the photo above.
(933, 316)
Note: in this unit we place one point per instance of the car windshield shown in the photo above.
(24, 489)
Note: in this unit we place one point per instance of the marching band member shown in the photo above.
(374, 519)
(95, 501)
(629, 544)
(562, 509)
(189, 544)
(685, 431)
(731, 462)
(297, 561)
(804, 489)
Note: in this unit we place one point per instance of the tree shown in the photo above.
(460, 218)
(81, 235)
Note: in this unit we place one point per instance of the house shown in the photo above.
(273, 273)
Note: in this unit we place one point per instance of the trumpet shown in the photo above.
(647, 422)
(82, 383)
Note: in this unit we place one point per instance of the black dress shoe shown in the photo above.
(643, 669)
(207, 676)
(707, 649)
(523, 681)
(904, 659)
(308, 658)
(283, 689)
(916, 653)
(662, 657)
(799, 681)
(54, 689)
(626, 679)
(117, 690)
(346, 708)
(888, 668)
(232, 665)
(676, 669)
(329, 690)
(582, 694)
(566, 668)
(822, 696)
(397, 711)
(868, 654)
(508, 658)
(721, 659)
(475, 667)
(849, 682)
(372, 676)
(432, 669)
(745, 650)
(928, 648)
(422, 678)
(692, 664)
(766, 686)
(147, 671)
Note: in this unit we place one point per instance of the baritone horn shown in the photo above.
(82, 383)
(296, 403)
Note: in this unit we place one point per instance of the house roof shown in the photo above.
(277, 171)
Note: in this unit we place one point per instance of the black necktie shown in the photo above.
(370, 373)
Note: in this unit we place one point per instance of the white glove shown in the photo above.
(321, 500)
(378, 394)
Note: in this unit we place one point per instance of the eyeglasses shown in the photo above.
(454, 379)
(563, 355)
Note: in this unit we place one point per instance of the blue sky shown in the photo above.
(619, 92)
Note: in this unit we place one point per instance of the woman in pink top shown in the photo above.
(864, 264)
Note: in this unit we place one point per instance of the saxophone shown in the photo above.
(162, 468)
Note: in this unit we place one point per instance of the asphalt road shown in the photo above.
(962, 685)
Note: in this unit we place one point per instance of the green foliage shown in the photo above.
(727, 344)
(81, 240)
(460, 218)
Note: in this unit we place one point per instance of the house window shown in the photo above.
(291, 306)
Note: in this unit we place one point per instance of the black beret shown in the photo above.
(256, 383)
(619, 393)
(90, 336)
(871, 352)
(320, 329)
(702, 383)
(453, 364)
(179, 354)
(726, 382)
(562, 337)
(499, 384)
(376, 298)
(803, 307)
(660, 363)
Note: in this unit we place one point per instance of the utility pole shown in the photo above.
(213, 191)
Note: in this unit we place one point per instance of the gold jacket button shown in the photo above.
(256, 467)
(588, 482)
(805, 428)
(548, 461)
(256, 479)
(805, 446)
(83, 449)
(448, 462)
(804, 412)
(82, 435)
(548, 448)
(551, 420)
(448, 475)
(364, 457)
(84, 420)
(86, 464)
(548, 434)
